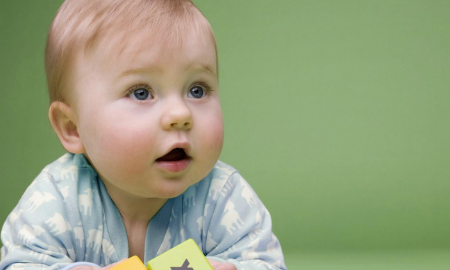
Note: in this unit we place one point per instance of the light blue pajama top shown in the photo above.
(67, 216)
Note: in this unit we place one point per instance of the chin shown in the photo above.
(171, 191)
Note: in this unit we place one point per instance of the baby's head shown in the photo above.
(134, 87)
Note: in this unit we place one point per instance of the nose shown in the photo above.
(177, 115)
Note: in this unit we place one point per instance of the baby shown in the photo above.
(135, 101)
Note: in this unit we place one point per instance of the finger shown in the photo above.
(214, 263)
(226, 266)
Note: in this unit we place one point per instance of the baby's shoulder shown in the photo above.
(64, 186)
(222, 170)
(222, 180)
(69, 168)
(69, 173)
(222, 175)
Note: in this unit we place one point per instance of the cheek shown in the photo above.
(213, 135)
(119, 147)
(217, 134)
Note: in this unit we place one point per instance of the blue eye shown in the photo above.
(196, 92)
(140, 94)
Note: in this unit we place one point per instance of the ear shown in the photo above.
(64, 123)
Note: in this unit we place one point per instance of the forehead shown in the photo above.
(153, 47)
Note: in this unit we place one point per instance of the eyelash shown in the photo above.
(138, 86)
(206, 87)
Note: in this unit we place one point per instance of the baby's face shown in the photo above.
(150, 120)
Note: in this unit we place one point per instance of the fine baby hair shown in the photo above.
(115, 25)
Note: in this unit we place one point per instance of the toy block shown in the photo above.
(133, 263)
(185, 256)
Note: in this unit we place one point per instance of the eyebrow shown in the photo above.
(139, 70)
(201, 67)
(204, 68)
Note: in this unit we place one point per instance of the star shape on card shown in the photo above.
(183, 267)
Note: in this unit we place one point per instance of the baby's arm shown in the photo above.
(240, 230)
(28, 234)
(38, 234)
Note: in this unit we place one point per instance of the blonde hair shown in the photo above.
(80, 25)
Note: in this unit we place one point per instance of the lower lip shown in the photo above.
(174, 166)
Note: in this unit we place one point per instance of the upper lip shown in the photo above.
(182, 145)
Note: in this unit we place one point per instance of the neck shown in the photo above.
(141, 210)
(136, 213)
(134, 209)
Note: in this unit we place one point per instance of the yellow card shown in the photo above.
(185, 256)
(133, 263)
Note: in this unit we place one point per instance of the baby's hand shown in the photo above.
(222, 266)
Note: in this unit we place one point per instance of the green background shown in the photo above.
(336, 112)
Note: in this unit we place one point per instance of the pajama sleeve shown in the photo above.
(240, 229)
(38, 233)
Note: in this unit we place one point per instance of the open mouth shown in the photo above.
(176, 154)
